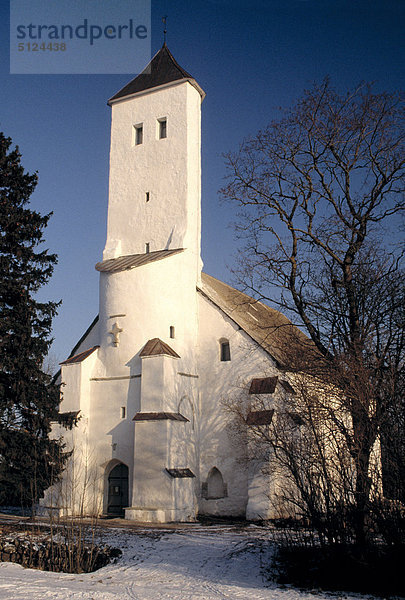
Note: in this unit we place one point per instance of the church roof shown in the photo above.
(161, 70)
(272, 330)
(77, 358)
(156, 347)
(130, 261)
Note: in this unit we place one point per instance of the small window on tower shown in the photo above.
(162, 128)
(138, 134)
(147, 248)
(123, 412)
(172, 331)
(147, 196)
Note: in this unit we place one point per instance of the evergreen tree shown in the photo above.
(29, 460)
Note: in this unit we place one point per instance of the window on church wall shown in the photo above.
(137, 134)
(162, 128)
(147, 248)
(172, 331)
(225, 350)
(147, 196)
(123, 412)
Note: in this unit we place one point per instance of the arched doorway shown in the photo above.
(117, 490)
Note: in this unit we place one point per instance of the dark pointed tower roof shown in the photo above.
(162, 70)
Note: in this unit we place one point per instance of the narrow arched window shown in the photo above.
(216, 488)
(225, 350)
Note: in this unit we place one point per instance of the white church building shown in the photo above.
(148, 378)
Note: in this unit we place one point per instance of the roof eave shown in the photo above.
(157, 88)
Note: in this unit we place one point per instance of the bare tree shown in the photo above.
(321, 193)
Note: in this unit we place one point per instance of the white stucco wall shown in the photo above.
(169, 169)
(219, 381)
(150, 299)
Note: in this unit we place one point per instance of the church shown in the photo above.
(148, 378)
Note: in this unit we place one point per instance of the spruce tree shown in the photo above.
(29, 460)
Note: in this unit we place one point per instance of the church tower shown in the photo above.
(148, 319)
(155, 171)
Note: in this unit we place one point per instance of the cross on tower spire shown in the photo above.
(164, 21)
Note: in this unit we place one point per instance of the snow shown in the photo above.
(186, 563)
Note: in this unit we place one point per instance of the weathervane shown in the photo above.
(164, 20)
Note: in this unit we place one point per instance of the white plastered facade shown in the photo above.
(161, 414)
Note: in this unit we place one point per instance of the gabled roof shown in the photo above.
(131, 261)
(161, 70)
(156, 347)
(266, 326)
(79, 357)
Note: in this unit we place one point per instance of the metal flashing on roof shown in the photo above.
(79, 357)
(131, 261)
(264, 385)
(176, 473)
(159, 416)
(260, 417)
(156, 347)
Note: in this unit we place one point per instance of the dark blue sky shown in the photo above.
(250, 57)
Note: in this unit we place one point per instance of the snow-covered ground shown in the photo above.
(190, 563)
